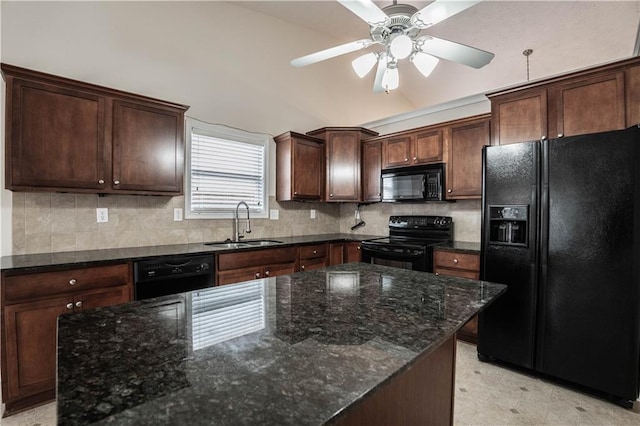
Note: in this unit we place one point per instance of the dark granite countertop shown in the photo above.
(89, 257)
(291, 350)
(460, 247)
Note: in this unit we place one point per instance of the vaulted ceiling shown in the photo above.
(564, 35)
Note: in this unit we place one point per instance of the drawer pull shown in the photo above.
(266, 273)
(315, 252)
(69, 305)
(302, 267)
(257, 274)
(79, 304)
(72, 281)
(455, 261)
(358, 247)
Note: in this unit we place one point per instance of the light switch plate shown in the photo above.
(102, 214)
(313, 213)
(274, 214)
(177, 215)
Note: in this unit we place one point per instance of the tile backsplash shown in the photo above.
(50, 222)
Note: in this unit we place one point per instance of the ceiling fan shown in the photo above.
(397, 28)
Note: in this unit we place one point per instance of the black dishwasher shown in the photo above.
(161, 276)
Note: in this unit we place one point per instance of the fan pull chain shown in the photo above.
(527, 53)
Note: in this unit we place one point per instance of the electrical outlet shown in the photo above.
(274, 214)
(313, 213)
(102, 214)
(177, 215)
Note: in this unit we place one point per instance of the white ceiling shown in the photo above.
(564, 35)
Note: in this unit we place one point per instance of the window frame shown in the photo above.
(233, 135)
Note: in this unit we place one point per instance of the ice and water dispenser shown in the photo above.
(509, 225)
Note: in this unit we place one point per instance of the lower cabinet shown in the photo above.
(352, 252)
(312, 256)
(29, 330)
(250, 265)
(463, 265)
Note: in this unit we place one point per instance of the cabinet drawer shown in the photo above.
(39, 285)
(313, 251)
(451, 260)
(311, 264)
(249, 259)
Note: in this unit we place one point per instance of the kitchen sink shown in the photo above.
(249, 243)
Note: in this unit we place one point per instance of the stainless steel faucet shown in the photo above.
(236, 232)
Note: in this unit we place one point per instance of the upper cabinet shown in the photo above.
(412, 148)
(66, 135)
(371, 167)
(589, 101)
(299, 167)
(464, 141)
(343, 165)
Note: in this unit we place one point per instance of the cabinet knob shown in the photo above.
(379, 194)
(69, 305)
(455, 261)
(448, 190)
(257, 274)
(543, 138)
(561, 135)
(266, 273)
(358, 247)
(315, 252)
(302, 267)
(116, 182)
(295, 192)
(437, 273)
(406, 159)
(330, 195)
(79, 304)
(101, 181)
(415, 158)
(72, 281)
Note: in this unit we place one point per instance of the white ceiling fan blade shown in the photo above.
(382, 69)
(455, 52)
(331, 53)
(438, 11)
(367, 11)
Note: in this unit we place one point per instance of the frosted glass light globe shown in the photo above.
(401, 46)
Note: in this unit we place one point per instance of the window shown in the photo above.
(225, 166)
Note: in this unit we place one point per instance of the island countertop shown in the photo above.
(293, 350)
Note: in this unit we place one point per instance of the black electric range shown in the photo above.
(410, 242)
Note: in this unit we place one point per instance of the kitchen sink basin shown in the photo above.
(243, 244)
(261, 242)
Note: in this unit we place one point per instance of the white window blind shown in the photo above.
(225, 167)
(222, 313)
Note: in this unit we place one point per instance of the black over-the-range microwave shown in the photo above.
(424, 183)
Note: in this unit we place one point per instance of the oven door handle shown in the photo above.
(383, 250)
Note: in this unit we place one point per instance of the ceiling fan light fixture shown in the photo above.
(401, 46)
(391, 78)
(424, 63)
(362, 65)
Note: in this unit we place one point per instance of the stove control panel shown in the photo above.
(432, 222)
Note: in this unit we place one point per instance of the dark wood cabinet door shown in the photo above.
(148, 148)
(343, 166)
(590, 105)
(464, 164)
(353, 252)
(371, 167)
(336, 253)
(308, 170)
(632, 93)
(31, 346)
(55, 138)
(519, 117)
(104, 297)
(396, 151)
(427, 147)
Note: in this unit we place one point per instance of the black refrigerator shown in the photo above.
(561, 228)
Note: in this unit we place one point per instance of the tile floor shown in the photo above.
(485, 395)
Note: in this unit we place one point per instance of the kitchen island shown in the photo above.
(349, 344)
